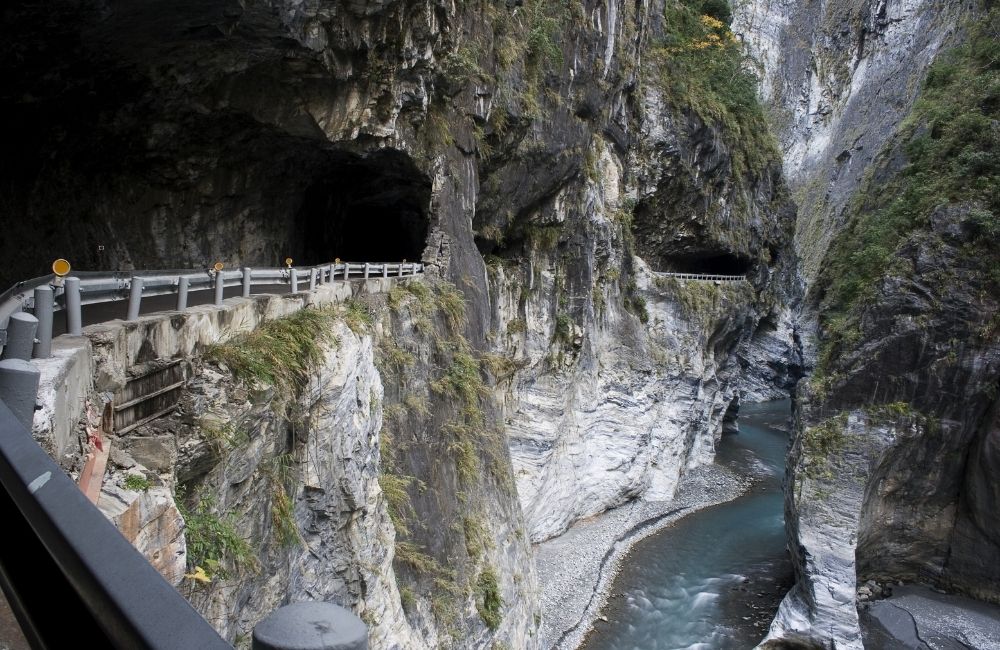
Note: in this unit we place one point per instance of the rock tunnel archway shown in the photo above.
(371, 208)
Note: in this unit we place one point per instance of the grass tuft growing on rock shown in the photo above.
(489, 602)
(278, 353)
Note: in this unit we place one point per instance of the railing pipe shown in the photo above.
(95, 582)
(220, 286)
(20, 336)
(44, 307)
(247, 279)
(182, 292)
(134, 298)
(74, 312)
(19, 387)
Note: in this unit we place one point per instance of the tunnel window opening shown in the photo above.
(365, 209)
(724, 264)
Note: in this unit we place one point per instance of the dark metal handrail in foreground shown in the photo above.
(67, 571)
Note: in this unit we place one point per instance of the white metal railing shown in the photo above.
(51, 293)
(703, 276)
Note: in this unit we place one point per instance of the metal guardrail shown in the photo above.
(50, 293)
(65, 567)
(703, 276)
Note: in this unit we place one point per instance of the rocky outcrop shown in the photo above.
(839, 77)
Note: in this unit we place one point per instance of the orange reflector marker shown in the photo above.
(219, 266)
(288, 261)
(61, 267)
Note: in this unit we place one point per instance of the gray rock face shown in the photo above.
(839, 77)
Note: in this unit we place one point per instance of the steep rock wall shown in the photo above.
(893, 428)
(838, 78)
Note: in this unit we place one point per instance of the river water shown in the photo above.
(714, 578)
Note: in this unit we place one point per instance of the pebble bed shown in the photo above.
(577, 569)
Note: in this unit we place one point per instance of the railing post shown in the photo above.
(295, 279)
(19, 388)
(385, 270)
(312, 279)
(44, 306)
(333, 272)
(367, 270)
(134, 298)
(21, 330)
(220, 286)
(74, 312)
(247, 275)
(310, 626)
(182, 292)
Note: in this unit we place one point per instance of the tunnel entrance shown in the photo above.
(365, 209)
(714, 264)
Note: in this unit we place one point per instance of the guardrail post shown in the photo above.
(74, 312)
(312, 279)
(44, 306)
(182, 292)
(134, 298)
(367, 269)
(333, 272)
(310, 626)
(295, 279)
(19, 388)
(220, 286)
(385, 270)
(247, 275)
(21, 330)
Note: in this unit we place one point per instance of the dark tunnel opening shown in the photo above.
(714, 264)
(370, 209)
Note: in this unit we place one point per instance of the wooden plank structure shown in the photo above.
(153, 391)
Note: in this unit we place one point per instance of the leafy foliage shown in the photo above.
(213, 543)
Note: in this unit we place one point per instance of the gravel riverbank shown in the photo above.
(576, 569)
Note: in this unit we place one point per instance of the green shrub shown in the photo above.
(489, 602)
(137, 483)
(213, 542)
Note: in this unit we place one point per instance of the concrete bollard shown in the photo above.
(21, 330)
(310, 626)
(182, 293)
(19, 388)
(220, 286)
(312, 279)
(134, 298)
(247, 277)
(295, 280)
(44, 308)
(74, 311)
